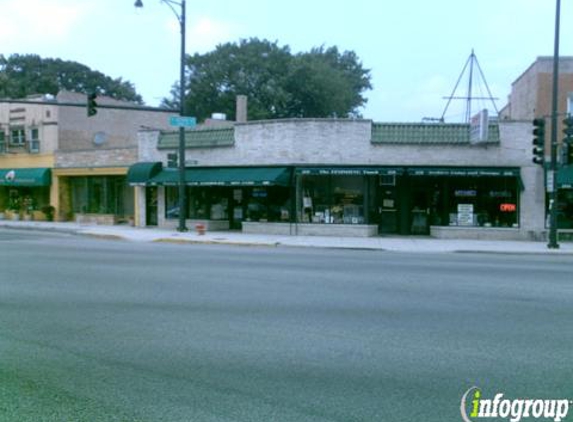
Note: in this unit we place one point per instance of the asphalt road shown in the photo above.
(98, 330)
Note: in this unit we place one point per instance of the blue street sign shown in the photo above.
(179, 121)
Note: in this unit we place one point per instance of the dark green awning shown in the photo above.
(30, 177)
(565, 177)
(226, 176)
(349, 171)
(464, 171)
(141, 173)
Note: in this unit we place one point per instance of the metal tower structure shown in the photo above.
(471, 66)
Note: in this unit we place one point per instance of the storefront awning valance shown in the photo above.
(349, 171)
(26, 177)
(226, 176)
(464, 171)
(141, 173)
(565, 177)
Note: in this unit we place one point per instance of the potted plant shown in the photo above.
(49, 211)
(28, 206)
(14, 206)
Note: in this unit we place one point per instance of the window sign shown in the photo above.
(465, 214)
(507, 207)
(470, 193)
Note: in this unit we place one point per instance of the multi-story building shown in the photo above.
(531, 97)
(55, 160)
(531, 92)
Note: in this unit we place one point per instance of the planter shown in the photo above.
(27, 217)
(2, 216)
(38, 216)
(15, 216)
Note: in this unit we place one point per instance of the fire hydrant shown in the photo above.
(200, 228)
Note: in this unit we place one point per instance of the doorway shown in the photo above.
(151, 205)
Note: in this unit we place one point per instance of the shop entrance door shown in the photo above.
(151, 206)
(236, 209)
(387, 210)
(420, 210)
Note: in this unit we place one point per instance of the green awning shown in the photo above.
(226, 176)
(141, 173)
(349, 171)
(464, 171)
(29, 177)
(565, 177)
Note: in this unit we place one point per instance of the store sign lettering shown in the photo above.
(507, 207)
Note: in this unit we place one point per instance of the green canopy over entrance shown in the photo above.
(141, 173)
(464, 171)
(26, 177)
(349, 171)
(226, 176)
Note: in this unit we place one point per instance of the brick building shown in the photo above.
(54, 155)
(531, 97)
(347, 177)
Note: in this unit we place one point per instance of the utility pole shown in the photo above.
(552, 176)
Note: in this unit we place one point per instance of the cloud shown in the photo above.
(26, 22)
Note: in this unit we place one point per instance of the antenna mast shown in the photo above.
(471, 62)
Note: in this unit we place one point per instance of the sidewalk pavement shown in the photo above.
(384, 243)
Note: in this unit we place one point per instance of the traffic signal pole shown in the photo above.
(553, 244)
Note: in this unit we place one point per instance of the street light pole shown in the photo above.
(182, 194)
(553, 244)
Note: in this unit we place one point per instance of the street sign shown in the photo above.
(550, 182)
(180, 121)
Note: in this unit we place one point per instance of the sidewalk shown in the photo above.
(396, 244)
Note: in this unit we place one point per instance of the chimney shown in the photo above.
(241, 112)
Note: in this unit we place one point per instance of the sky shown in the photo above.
(415, 49)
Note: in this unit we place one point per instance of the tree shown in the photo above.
(22, 75)
(321, 83)
(325, 83)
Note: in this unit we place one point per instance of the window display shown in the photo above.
(333, 200)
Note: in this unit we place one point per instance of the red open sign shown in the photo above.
(507, 207)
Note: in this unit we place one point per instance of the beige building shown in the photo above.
(54, 159)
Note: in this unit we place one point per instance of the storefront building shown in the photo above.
(56, 163)
(348, 177)
(27, 141)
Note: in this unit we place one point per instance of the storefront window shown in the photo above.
(485, 202)
(267, 204)
(171, 202)
(101, 195)
(203, 203)
(333, 199)
(565, 209)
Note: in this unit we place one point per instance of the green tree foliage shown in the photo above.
(320, 83)
(22, 75)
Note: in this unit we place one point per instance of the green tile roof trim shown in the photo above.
(427, 133)
(199, 138)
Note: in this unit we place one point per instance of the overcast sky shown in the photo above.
(415, 49)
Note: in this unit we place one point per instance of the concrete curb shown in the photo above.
(215, 242)
(382, 244)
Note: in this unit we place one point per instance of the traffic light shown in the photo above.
(172, 160)
(568, 140)
(91, 104)
(539, 141)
